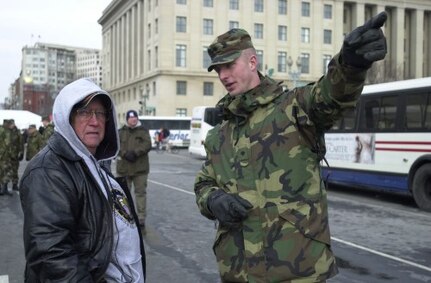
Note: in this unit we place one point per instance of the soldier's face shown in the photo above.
(238, 76)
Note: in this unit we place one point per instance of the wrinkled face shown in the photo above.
(240, 75)
(89, 124)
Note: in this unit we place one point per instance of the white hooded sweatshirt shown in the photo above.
(125, 263)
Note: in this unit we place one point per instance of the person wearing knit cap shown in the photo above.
(132, 161)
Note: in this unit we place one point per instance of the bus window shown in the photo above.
(418, 112)
(369, 115)
(427, 118)
(415, 111)
(349, 119)
(388, 111)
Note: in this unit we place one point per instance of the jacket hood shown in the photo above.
(73, 94)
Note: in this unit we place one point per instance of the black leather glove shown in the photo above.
(130, 156)
(365, 44)
(229, 209)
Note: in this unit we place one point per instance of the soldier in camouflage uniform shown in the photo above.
(262, 178)
(4, 156)
(16, 151)
(48, 129)
(34, 142)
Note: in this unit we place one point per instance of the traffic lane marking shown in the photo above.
(333, 238)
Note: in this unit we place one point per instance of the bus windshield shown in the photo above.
(204, 118)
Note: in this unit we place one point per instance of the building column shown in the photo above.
(427, 44)
(139, 37)
(417, 36)
(358, 15)
(395, 39)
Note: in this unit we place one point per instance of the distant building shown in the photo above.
(88, 65)
(155, 52)
(46, 69)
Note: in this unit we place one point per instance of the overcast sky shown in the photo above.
(65, 22)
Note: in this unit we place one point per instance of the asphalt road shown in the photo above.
(376, 237)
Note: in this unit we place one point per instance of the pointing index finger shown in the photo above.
(377, 21)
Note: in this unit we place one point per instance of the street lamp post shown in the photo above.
(143, 101)
(294, 75)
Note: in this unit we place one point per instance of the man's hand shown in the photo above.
(365, 44)
(229, 209)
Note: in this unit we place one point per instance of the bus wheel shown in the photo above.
(422, 187)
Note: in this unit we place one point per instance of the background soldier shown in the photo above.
(34, 142)
(4, 155)
(48, 129)
(16, 151)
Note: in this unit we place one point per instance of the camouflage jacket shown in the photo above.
(47, 132)
(265, 151)
(16, 143)
(34, 145)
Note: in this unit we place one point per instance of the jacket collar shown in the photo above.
(240, 106)
(61, 147)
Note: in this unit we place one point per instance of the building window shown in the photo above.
(149, 30)
(208, 88)
(182, 2)
(327, 36)
(233, 24)
(327, 11)
(281, 62)
(258, 30)
(180, 55)
(258, 5)
(305, 35)
(305, 63)
(305, 9)
(282, 7)
(181, 112)
(208, 27)
(234, 4)
(181, 24)
(149, 60)
(259, 55)
(156, 26)
(326, 60)
(156, 56)
(208, 3)
(206, 58)
(282, 33)
(181, 87)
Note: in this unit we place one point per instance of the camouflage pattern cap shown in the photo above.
(228, 47)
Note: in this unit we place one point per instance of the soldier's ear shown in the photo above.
(252, 62)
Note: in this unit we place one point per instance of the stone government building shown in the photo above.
(154, 52)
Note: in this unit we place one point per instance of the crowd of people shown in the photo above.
(15, 144)
(261, 180)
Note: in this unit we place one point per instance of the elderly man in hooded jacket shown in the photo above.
(79, 221)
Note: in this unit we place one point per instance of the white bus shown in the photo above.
(179, 128)
(204, 118)
(386, 143)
